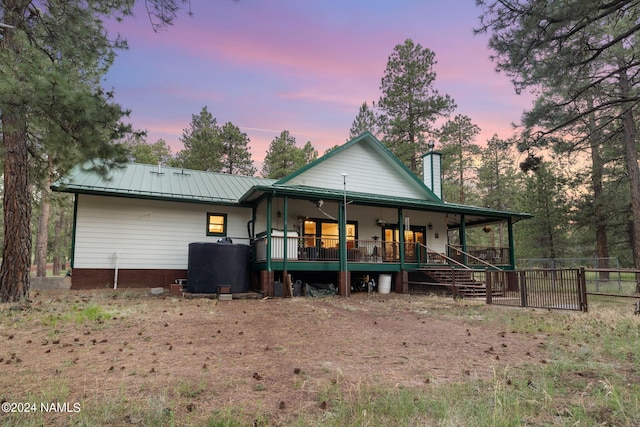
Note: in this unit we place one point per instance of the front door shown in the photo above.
(412, 238)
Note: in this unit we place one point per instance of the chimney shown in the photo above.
(432, 171)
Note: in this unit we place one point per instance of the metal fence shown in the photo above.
(562, 289)
(613, 282)
(613, 287)
(593, 262)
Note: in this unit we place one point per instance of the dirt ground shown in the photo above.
(269, 358)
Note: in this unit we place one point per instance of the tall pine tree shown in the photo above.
(459, 152)
(52, 59)
(365, 121)
(409, 104)
(235, 155)
(202, 148)
(582, 58)
(284, 157)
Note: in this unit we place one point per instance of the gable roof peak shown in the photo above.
(386, 160)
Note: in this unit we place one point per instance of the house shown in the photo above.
(357, 211)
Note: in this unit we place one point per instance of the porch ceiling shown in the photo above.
(473, 215)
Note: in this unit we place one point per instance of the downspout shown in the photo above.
(115, 273)
(251, 225)
(251, 232)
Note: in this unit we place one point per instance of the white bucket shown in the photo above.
(384, 284)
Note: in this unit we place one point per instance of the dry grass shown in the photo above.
(129, 358)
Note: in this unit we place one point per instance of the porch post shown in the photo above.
(344, 279)
(269, 272)
(512, 249)
(463, 238)
(269, 219)
(285, 283)
(401, 236)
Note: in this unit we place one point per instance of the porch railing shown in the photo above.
(434, 257)
(480, 255)
(472, 259)
(358, 250)
(327, 249)
(373, 251)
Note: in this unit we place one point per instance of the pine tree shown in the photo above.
(235, 157)
(52, 59)
(151, 154)
(543, 195)
(409, 104)
(582, 58)
(365, 121)
(497, 176)
(284, 157)
(202, 146)
(459, 152)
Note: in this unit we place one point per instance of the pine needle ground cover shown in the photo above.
(125, 357)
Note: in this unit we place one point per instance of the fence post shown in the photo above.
(582, 289)
(487, 281)
(523, 289)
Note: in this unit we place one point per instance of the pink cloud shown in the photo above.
(301, 66)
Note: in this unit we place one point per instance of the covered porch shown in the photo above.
(340, 236)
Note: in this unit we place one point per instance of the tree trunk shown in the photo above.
(42, 239)
(57, 258)
(631, 158)
(16, 256)
(602, 246)
(16, 263)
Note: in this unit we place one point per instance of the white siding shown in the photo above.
(438, 223)
(369, 172)
(432, 172)
(147, 234)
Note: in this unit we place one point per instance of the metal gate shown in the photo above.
(560, 289)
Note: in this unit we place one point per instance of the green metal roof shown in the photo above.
(147, 181)
(186, 185)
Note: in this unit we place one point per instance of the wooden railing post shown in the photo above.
(488, 285)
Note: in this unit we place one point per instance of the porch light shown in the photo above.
(381, 222)
(430, 226)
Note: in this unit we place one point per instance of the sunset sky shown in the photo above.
(303, 66)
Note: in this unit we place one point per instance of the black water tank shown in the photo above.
(218, 264)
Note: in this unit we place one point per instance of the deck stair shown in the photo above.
(459, 282)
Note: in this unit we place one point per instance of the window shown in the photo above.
(325, 233)
(216, 224)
